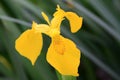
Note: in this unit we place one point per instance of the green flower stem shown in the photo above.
(68, 78)
(64, 77)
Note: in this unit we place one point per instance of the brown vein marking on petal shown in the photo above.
(58, 44)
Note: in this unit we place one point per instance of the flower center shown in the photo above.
(54, 32)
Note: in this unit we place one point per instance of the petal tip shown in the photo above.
(58, 7)
(34, 24)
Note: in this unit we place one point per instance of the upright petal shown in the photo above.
(29, 44)
(59, 12)
(66, 63)
(45, 17)
(58, 17)
(75, 21)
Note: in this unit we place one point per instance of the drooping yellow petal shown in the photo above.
(75, 21)
(29, 44)
(65, 58)
(45, 17)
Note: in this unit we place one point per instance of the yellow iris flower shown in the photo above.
(62, 54)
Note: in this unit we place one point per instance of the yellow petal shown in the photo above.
(29, 44)
(75, 21)
(57, 19)
(45, 17)
(43, 28)
(59, 12)
(66, 63)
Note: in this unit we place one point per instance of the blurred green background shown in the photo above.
(98, 40)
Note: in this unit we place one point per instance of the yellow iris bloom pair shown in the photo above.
(62, 54)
